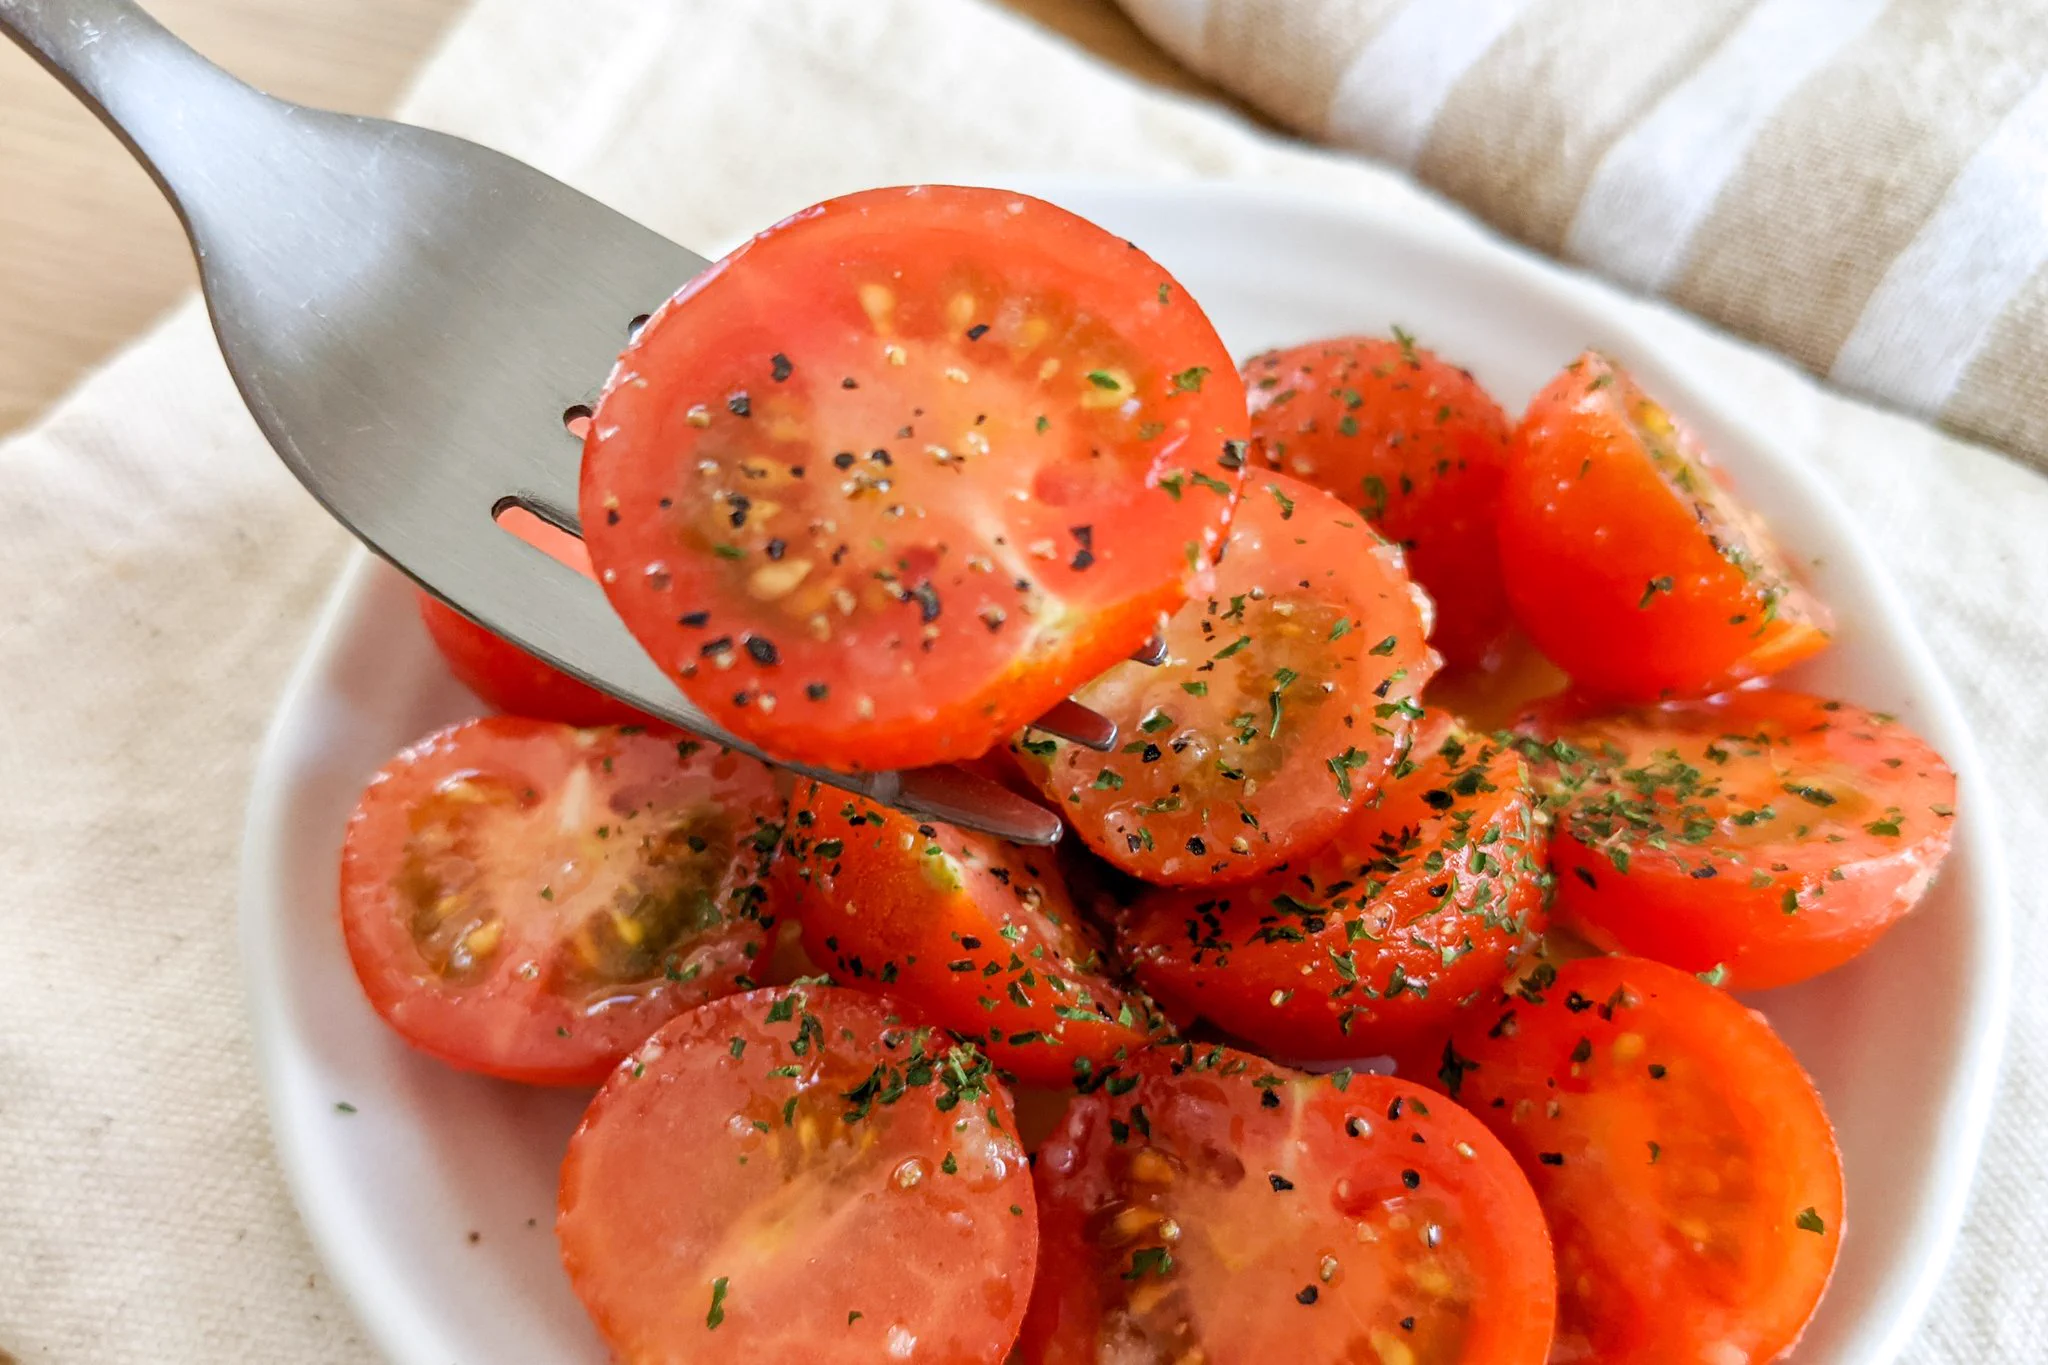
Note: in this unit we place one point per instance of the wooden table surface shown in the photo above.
(89, 252)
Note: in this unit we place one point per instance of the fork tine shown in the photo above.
(956, 797)
(1152, 653)
(1074, 722)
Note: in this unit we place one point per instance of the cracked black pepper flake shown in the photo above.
(1281, 1184)
(849, 383)
(611, 516)
(1412, 1179)
(763, 650)
(817, 691)
(719, 646)
(779, 366)
(695, 619)
(777, 549)
(1551, 1158)
(1269, 1099)
(843, 460)
(1307, 1296)
(739, 405)
(927, 598)
(1084, 536)
(977, 331)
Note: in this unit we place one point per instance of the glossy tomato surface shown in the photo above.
(979, 935)
(1682, 1158)
(508, 679)
(1425, 897)
(897, 475)
(800, 1175)
(1628, 557)
(1415, 445)
(1207, 1206)
(1288, 692)
(530, 900)
(1762, 836)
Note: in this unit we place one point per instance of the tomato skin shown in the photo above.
(1820, 827)
(1417, 446)
(1682, 1158)
(1360, 947)
(508, 679)
(892, 479)
(799, 1174)
(978, 935)
(1288, 692)
(1627, 557)
(1302, 1210)
(493, 927)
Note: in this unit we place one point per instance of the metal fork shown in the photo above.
(412, 319)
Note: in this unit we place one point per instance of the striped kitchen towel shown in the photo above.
(1861, 184)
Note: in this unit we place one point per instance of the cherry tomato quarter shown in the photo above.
(1423, 900)
(509, 680)
(1629, 559)
(1417, 446)
(978, 935)
(1763, 836)
(893, 478)
(1288, 691)
(798, 1174)
(1205, 1205)
(1683, 1160)
(530, 900)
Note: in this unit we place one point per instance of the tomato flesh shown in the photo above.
(1417, 446)
(1215, 1208)
(797, 1174)
(1629, 560)
(978, 935)
(1762, 836)
(893, 478)
(1683, 1160)
(1423, 898)
(1288, 691)
(530, 900)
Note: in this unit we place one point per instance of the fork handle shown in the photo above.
(168, 105)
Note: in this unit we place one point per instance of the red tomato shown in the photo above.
(530, 900)
(893, 478)
(1683, 1160)
(798, 1175)
(1629, 560)
(1205, 1206)
(1358, 948)
(977, 934)
(1762, 836)
(1288, 692)
(1412, 442)
(506, 678)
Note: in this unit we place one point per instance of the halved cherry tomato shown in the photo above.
(1629, 560)
(893, 478)
(1289, 691)
(977, 934)
(798, 1174)
(1204, 1205)
(1417, 446)
(1683, 1160)
(531, 900)
(508, 679)
(1423, 899)
(1762, 836)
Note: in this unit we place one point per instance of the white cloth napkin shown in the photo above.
(158, 571)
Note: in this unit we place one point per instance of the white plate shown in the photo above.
(432, 1201)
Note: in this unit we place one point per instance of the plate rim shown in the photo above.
(1983, 1015)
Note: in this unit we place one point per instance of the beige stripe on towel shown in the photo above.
(1854, 182)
